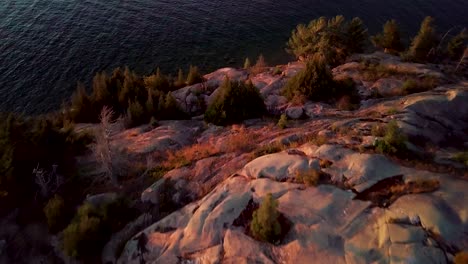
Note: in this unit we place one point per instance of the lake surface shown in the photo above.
(47, 46)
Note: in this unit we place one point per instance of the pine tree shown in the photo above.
(457, 45)
(334, 39)
(194, 76)
(247, 64)
(180, 79)
(389, 39)
(423, 45)
(314, 82)
(356, 34)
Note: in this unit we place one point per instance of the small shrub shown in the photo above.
(153, 122)
(260, 65)
(265, 225)
(283, 121)
(135, 115)
(277, 71)
(461, 157)
(318, 140)
(269, 149)
(461, 258)
(315, 82)
(91, 228)
(393, 142)
(416, 86)
(158, 172)
(235, 102)
(54, 211)
(194, 76)
(309, 178)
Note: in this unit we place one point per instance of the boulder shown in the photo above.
(294, 112)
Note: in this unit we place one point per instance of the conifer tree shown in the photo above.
(457, 45)
(265, 225)
(247, 64)
(423, 45)
(389, 39)
(194, 76)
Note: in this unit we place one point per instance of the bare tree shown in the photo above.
(48, 181)
(104, 152)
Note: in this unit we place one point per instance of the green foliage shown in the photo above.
(27, 142)
(283, 121)
(389, 39)
(235, 102)
(91, 227)
(55, 213)
(423, 45)
(457, 45)
(356, 36)
(334, 39)
(170, 109)
(247, 64)
(393, 141)
(135, 114)
(416, 86)
(194, 76)
(158, 82)
(316, 83)
(129, 95)
(461, 157)
(180, 82)
(265, 225)
(309, 178)
(260, 65)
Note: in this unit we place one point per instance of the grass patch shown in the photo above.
(461, 157)
(269, 149)
(373, 72)
(393, 141)
(417, 86)
(387, 191)
(378, 130)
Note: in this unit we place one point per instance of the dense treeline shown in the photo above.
(131, 96)
(336, 38)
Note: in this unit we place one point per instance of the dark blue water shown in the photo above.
(46, 46)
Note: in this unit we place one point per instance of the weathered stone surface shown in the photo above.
(277, 166)
(434, 116)
(388, 86)
(294, 112)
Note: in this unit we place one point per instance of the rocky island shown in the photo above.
(350, 157)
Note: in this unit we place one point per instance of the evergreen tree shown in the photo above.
(457, 45)
(180, 79)
(247, 64)
(265, 225)
(389, 39)
(194, 76)
(314, 82)
(356, 36)
(235, 102)
(334, 39)
(423, 45)
(157, 82)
